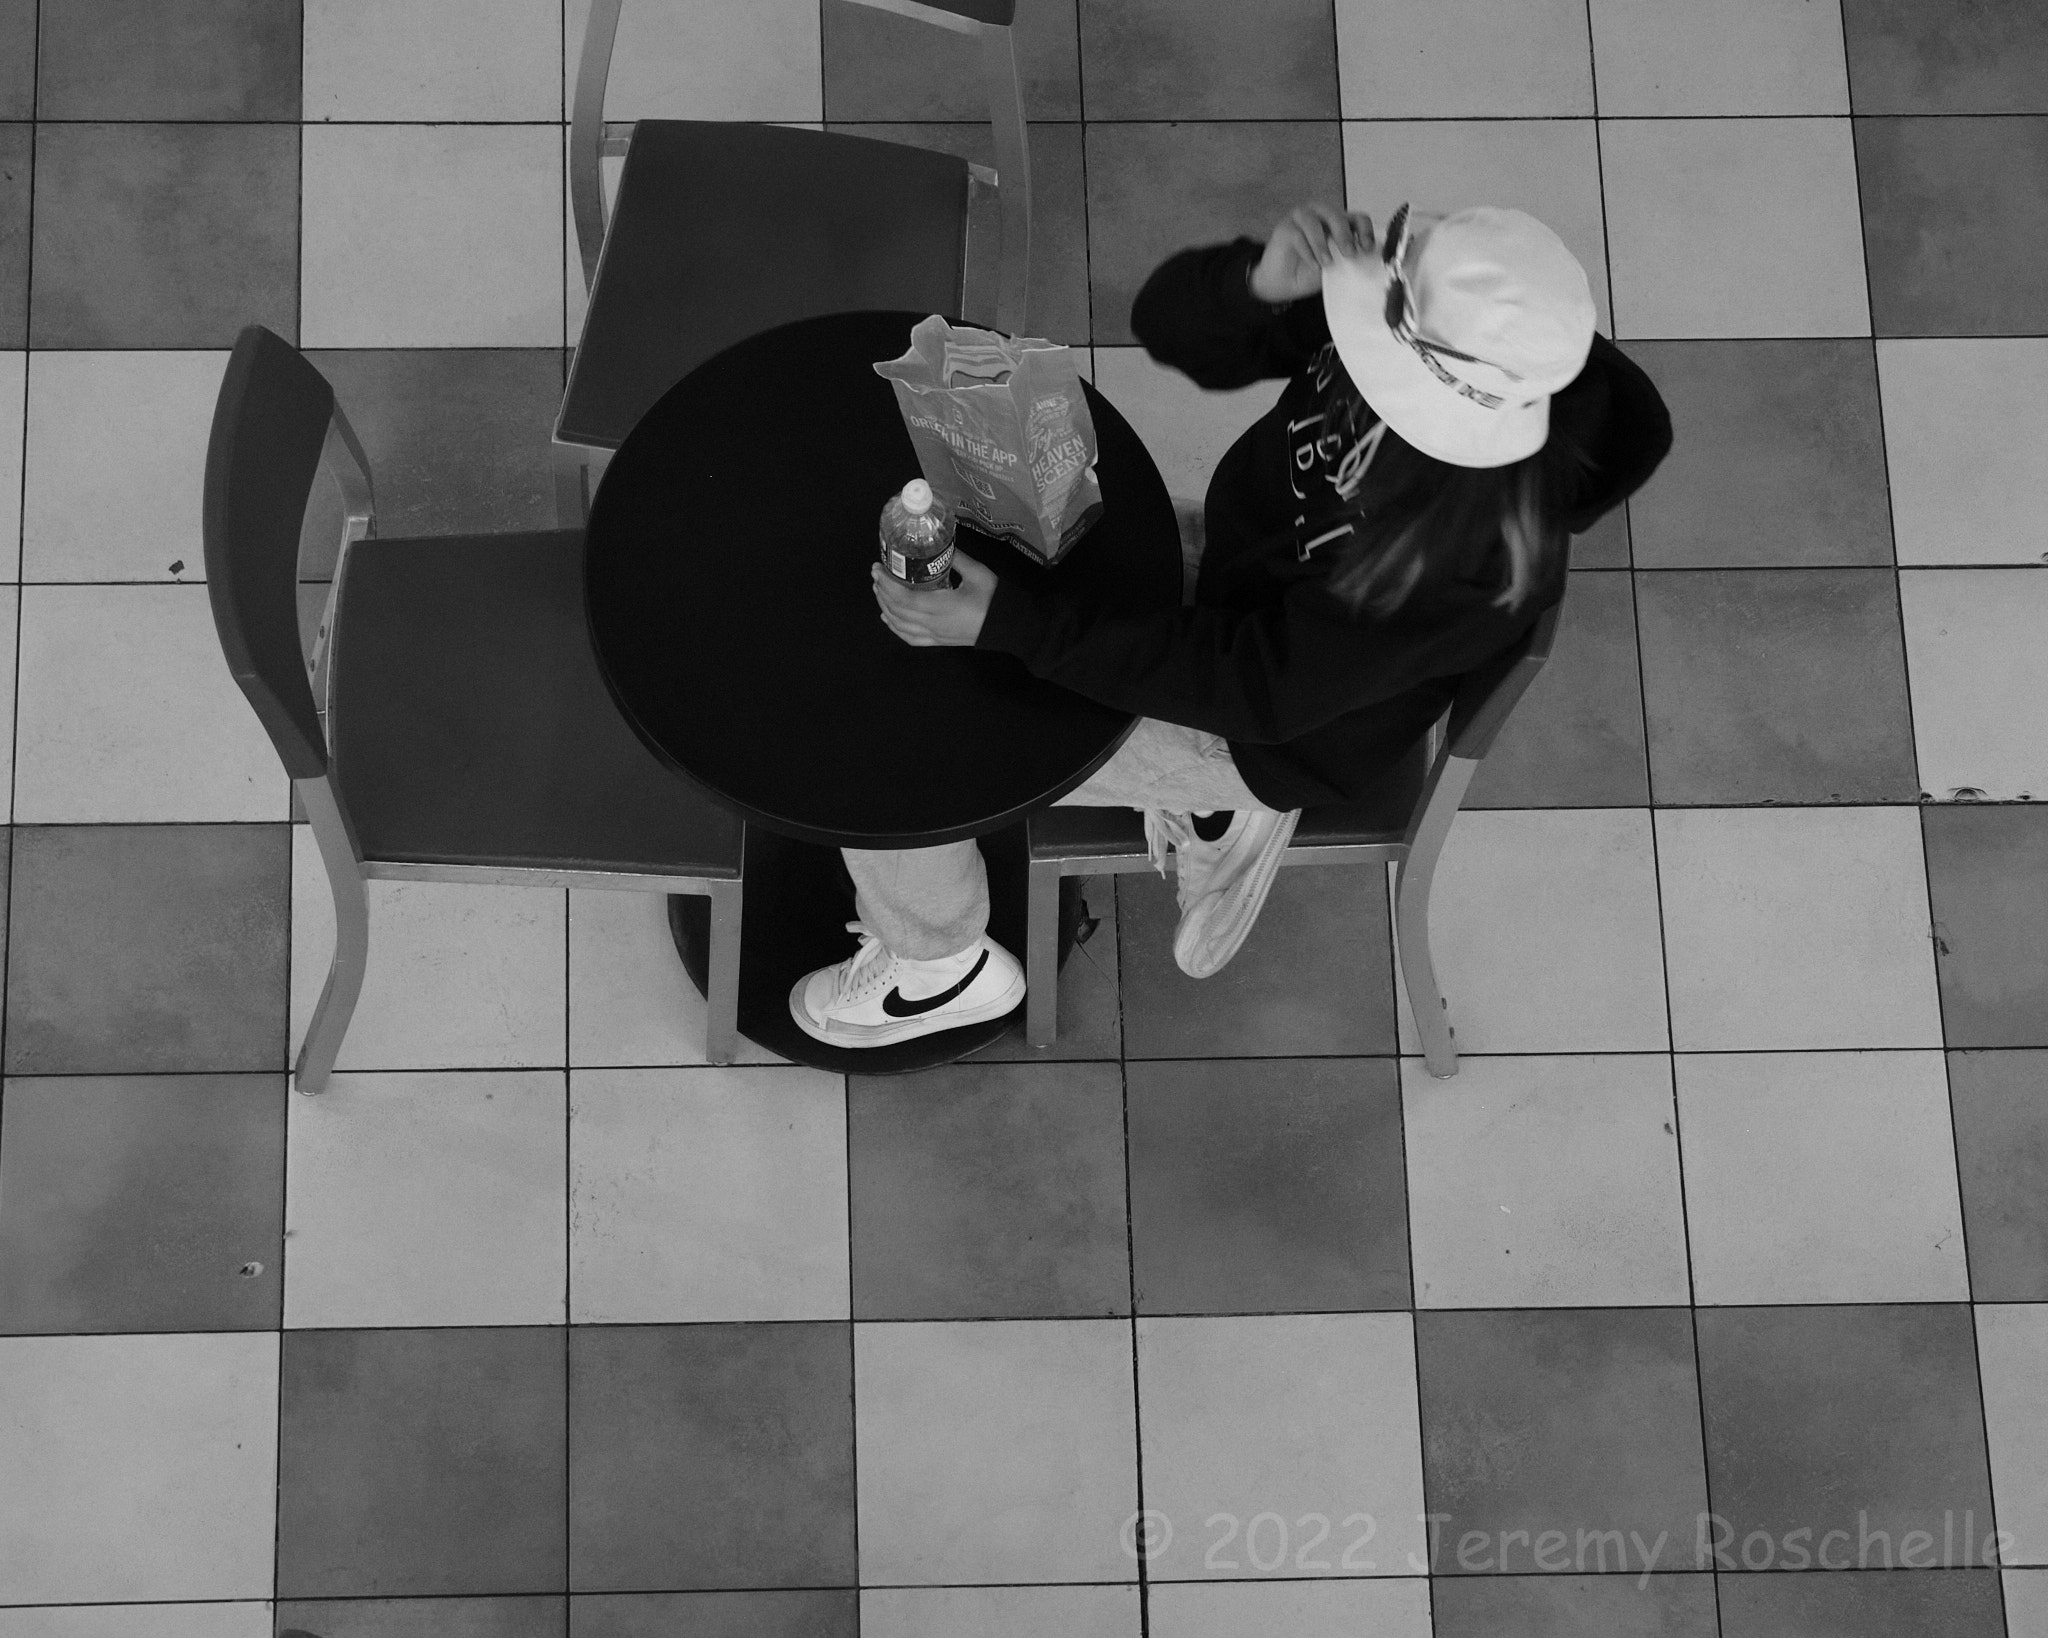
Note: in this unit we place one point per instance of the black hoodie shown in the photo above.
(1315, 700)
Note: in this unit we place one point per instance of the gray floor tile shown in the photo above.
(1575, 739)
(142, 1203)
(1154, 189)
(1862, 1420)
(1314, 977)
(1987, 885)
(17, 142)
(170, 59)
(1915, 1604)
(426, 1617)
(710, 1456)
(164, 235)
(1267, 1187)
(1955, 224)
(879, 66)
(1999, 1102)
(1799, 421)
(1563, 1425)
(16, 145)
(459, 440)
(831, 1613)
(417, 1462)
(1574, 1606)
(992, 1191)
(1946, 56)
(17, 59)
(1090, 1016)
(1606, 544)
(1775, 686)
(1210, 59)
(1057, 291)
(147, 949)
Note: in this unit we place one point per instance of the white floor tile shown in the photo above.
(1266, 1420)
(431, 236)
(1965, 424)
(1543, 927)
(128, 714)
(10, 608)
(999, 1612)
(1733, 227)
(708, 1195)
(1463, 59)
(1301, 1609)
(1186, 429)
(250, 1619)
(630, 1002)
(459, 977)
(117, 465)
(138, 1467)
(1978, 675)
(428, 1199)
(712, 59)
(1789, 928)
(1821, 1177)
(994, 1450)
(13, 411)
(1547, 167)
(452, 60)
(1663, 57)
(2012, 1355)
(1544, 1182)
(2026, 1603)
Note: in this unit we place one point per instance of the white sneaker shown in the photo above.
(873, 998)
(1222, 884)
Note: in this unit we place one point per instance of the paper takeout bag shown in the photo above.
(1002, 432)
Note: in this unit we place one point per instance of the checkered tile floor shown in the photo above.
(1726, 1255)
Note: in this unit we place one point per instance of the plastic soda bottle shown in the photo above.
(917, 537)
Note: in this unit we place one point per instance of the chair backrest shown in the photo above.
(1485, 697)
(272, 424)
(989, 21)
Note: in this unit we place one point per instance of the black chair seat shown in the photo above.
(1062, 833)
(689, 269)
(470, 724)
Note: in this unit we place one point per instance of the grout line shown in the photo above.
(1083, 119)
(813, 1320)
(1217, 1057)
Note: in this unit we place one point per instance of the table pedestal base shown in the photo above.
(798, 902)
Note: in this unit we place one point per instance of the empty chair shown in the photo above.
(722, 229)
(452, 724)
(1404, 826)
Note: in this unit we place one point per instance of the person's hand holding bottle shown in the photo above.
(1305, 242)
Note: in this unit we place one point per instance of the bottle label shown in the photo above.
(918, 571)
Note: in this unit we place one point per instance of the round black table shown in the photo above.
(732, 615)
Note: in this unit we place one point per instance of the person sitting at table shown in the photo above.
(1399, 517)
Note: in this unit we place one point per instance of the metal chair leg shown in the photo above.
(344, 979)
(722, 1002)
(1425, 1001)
(1042, 953)
(572, 487)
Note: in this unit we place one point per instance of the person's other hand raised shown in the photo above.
(1306, 240)
(936, 619)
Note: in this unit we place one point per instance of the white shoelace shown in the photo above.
(861, 974)
(1164, 829)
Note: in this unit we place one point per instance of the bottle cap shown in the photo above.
(917, 496)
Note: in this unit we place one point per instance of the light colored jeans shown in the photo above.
(927, 902)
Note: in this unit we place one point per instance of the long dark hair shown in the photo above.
(1414, 508)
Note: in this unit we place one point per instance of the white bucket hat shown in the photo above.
(1458, 344)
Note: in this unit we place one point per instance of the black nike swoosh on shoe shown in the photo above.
(896, 1007)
